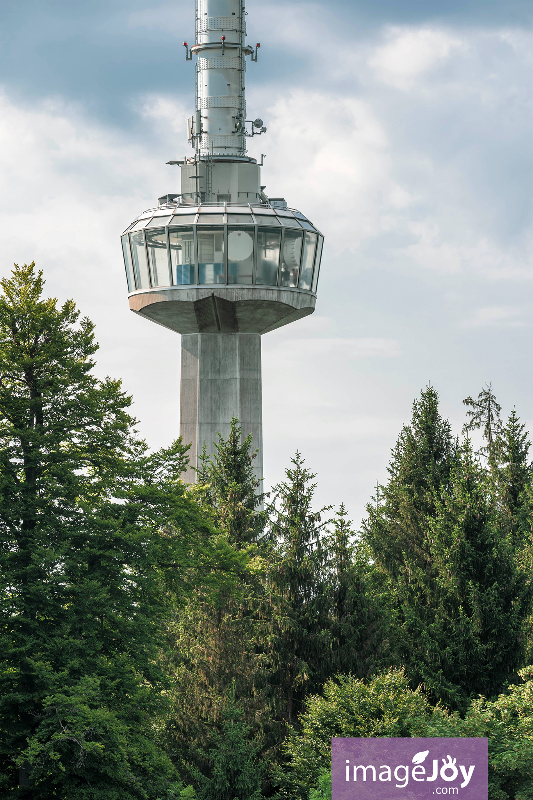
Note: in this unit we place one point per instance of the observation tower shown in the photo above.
(219, 261)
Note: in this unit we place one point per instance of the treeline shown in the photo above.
(161, 641)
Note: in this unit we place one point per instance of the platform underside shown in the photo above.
(225, 310)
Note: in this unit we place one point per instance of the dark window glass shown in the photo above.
(308, 258)
(289, 222)
(182, 219)
(140, 265)
(318, 259)
(268, 246)
(155, 221)
(127, 263)
(306, 225)
(209, 219)
(181, 242)
(156, 244)
(264, 220)
(290, 258)
(211, 255)
(239, 219)
(240, 255)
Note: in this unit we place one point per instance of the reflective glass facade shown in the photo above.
(223, 246)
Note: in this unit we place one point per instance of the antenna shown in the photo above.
(219, 125)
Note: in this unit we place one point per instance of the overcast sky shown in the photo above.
(402, 128)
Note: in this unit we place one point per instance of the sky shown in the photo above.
(402, 129)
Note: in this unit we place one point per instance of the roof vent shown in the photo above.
(278, 202)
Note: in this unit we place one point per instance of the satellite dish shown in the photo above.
(258, 123)
(240, 245)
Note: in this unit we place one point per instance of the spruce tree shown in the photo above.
(234, 771)
(230, 489)
(97, 537)
(420, 466)
(358, 618)
(299, 644)
(484, 415)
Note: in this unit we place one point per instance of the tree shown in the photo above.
(436, 533)
(420, 467)
(299, 643)
(230, 489)
(97, 538)
(358, 618)
(383, 706)
(234, 770)
(512, 472)
(484, 414)
(217, 646)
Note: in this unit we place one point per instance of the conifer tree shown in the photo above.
(96, 537)
(420, 466)
(359, 621)
(230, 489)
(436, 532)
(234, 770)
(484, 415)
(513, 476)
(300, 640)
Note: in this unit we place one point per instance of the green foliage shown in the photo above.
(97, 539)
(383, 706)
(299, 641)
(230, 490)
(386, 707)
(484, 414)
(356, 611)
(436, 531)
(234, 770)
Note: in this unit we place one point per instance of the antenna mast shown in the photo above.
(218, 127)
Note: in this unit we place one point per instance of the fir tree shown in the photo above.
(234, 771)
(96, 538)
(484, 415)
(359, 621)
(299, 643)
(230, 489)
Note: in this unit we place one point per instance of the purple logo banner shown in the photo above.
(409, 769)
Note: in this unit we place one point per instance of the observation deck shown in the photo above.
(226, 268)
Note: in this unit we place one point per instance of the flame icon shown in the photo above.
(418, 758)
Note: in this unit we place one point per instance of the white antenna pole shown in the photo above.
(219, 126)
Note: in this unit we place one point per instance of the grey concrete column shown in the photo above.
(220, 379)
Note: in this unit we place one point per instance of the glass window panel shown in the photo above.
(306, 225)
(308, 257)
(183, 219)
(158, 221)
(140, 224)
(263, 220)
(210, 255)
(290, 222)
(238, 209)
(210, 218)
(299, 215)
(181, 242)
(240, 255)
(238, 219)
(268, 246)
(140, 266)
(127, 263)
(156, 244)
(317, 262)
(290, 258)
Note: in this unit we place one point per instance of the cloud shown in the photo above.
(336, 348)
(410, 53)
(492, 316)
